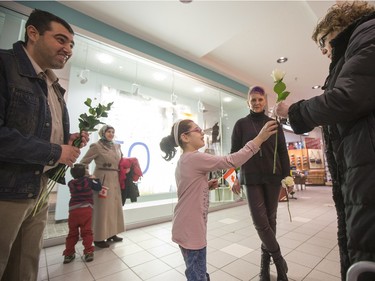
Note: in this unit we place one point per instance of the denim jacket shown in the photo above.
(25, 126)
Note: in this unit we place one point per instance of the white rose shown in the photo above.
(277, 75)
(289, 181)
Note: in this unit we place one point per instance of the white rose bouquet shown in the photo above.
(280, 90)
(87, 122)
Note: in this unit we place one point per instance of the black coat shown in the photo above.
(346, 109)
(259, 168)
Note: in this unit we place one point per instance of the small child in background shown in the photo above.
(80, 213)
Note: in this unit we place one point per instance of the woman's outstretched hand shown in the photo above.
(281, 109)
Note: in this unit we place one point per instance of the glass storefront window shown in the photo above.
(148, 98)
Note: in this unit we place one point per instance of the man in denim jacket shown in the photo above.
(34, 138)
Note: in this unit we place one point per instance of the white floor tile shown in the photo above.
(106, 268)
(308, 243)
(127, 275)
(169, 275)
(138, 258)
(237, 250)
(228, 221)
(151, 269)
(241, 269)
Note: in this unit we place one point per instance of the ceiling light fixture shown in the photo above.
(158, 76)
(135, 89)
(282, 60)
(173, 95)
(174, 98)
(83, 76)
(316, 87)
(104, 58)
(198, 89)
(201, 107)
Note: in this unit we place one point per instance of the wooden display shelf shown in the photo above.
(298, 159)
(316, 177)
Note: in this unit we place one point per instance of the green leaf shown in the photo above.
(92, 111)
(99, 110)
(279, 87)
(83, 116)
(88, 102)
(108, 107)
(282, 96)
(89, 122)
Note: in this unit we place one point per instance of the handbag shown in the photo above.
(318, 159)
(312, 157)
(315, 159)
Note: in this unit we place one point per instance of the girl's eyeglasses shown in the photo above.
(197, 130)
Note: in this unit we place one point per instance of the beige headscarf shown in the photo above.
(103, 130)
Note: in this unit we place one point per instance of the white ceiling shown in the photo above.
(240, 39)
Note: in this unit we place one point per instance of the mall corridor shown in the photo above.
(308, 243)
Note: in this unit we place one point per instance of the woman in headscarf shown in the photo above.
(108, 218)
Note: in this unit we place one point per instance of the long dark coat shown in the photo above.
(346, 110)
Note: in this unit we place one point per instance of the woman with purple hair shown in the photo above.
(261, 181)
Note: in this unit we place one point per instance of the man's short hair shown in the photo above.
(41, 20)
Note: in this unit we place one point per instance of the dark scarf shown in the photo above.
(106, 142)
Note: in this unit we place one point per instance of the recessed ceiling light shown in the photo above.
(316, 87)
(104, 58)
(158, 76)
(227, 99)
(282, 59)
(198, 89)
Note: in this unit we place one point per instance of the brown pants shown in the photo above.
(21, 239)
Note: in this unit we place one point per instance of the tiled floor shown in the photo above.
(308, 244)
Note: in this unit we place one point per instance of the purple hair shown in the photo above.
(257, 89)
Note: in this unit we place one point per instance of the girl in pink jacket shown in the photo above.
(189, 228)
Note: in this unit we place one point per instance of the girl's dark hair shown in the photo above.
(41, 20)
(168, 144)
(78, 171)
